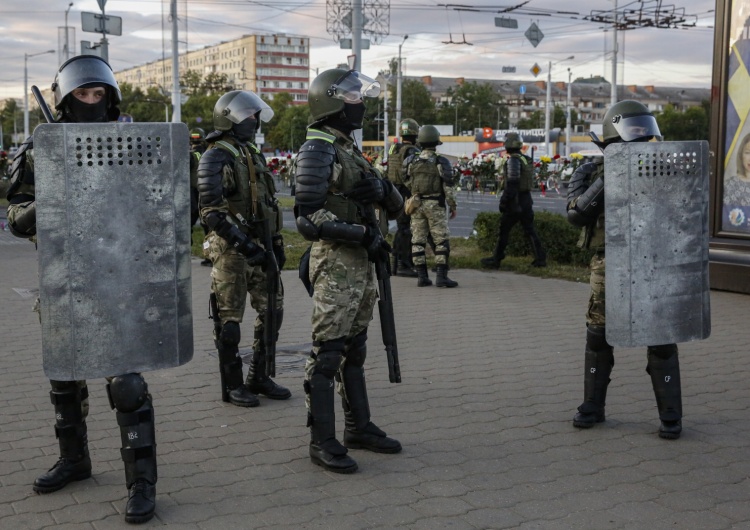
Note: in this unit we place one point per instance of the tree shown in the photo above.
(690, 124)
(472, 105)
(288, 127)
(11, 120)
(558, 119)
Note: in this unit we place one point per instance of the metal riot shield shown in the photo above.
(656, 217)
(113, 230)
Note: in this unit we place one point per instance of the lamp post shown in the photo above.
(548, 104)
(166, 107)
(387, 79)
(398, 92)
(66, 48)
(26, 90)
(568, 117)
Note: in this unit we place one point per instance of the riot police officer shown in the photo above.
(402, 261)
(85, 91)
(516, 204)
(337, 193)
(625, 121)
(429, 176)
(237, 199)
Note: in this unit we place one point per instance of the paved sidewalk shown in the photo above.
(492, 373)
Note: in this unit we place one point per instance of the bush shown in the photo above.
(559, 237)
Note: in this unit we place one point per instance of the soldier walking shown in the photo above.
(85, 91)
(516, 204)
(402, 260)
(237, 200)
(625, 121)
(429, 177)
(336, 191)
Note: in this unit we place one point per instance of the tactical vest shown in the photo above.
(592, 235)
(526, 182)
(240, 197)
(352, 166)
(425, 175)
(396, 160)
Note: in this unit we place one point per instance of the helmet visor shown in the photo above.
(353, 87)
(245, 105)
(635, 127)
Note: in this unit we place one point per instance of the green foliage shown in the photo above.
(559, 237)
(473, 105)
(288, 127)
(558, 118)
(691, 124)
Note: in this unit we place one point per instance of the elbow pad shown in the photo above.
(393, 203)
(589, 206)
(24, 222)
(342, 232)
(307, 229)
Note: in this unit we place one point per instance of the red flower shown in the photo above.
(555, 157)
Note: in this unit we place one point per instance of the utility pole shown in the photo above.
(568, 117)
(613, 98)
(385, 118)
(176, 102)
(357, 50)
(398, 92)
(66, 48)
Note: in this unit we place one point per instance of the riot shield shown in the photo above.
(113, 230)
(656, 217)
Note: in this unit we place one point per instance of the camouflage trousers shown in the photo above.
(595, 315)
(232, 280)
(430, 219)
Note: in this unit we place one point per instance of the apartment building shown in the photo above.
(265, 64)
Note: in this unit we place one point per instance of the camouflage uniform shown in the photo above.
(402, 240)
(433, 182)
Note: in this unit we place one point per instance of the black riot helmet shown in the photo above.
(628, 121)
(513, 142)
(332, 90)
(238, 105)
(86, 71)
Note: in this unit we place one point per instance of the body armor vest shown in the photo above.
(395, 161)
(425, 175)
(592, 235)
(527, 172)
(239, 194)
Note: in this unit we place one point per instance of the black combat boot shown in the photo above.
(442, 277)
(406, 270)
(325, 450)
(360, 432)
(423, 280)
(129, 396)
(493, 262)
(598, 367)
(257, 381)
(664, 369)
(540, 256)
(230, 369)
(70, 429)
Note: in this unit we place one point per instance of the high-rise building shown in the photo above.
(265, 64)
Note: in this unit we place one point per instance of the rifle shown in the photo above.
(213, 314)
(385, 305)
(42, 104)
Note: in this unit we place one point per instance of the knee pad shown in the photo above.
(328, 358)
(230, 333)
(356, 353)
(663, 351)
(127, 393)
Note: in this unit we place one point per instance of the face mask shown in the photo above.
(245, 130)
(86, 112)
(355, 113)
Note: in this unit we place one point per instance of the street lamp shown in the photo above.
(26, 90)
(387, 79)
(66, 49)
(568, 117)
(549, 102)
(398, 92)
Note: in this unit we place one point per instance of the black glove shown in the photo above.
(254, 253)
(377, 247)
(278, 251)
(509, 203)
(369, 190)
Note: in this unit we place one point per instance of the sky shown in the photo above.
(444, 40)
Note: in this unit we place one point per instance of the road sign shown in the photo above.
(101, 4)
(534, 34)
(346, 44)
(96, 23)
(509, 69)
(535, 69)
(522, 89)
(502, 22)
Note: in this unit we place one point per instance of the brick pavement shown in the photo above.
(492, 376)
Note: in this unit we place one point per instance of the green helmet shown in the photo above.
(629, 121)
(513, 141)
(429, 134)
(236, 106)
(333, 88)
(409, 127)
